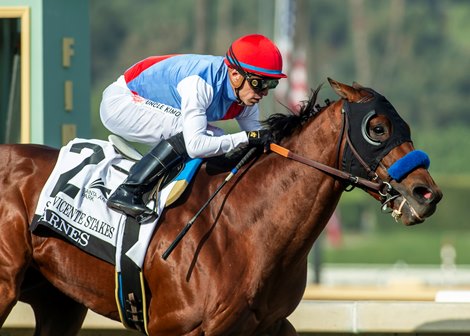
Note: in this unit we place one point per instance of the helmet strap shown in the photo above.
(235, 64)
(237, 84)
(237, 92)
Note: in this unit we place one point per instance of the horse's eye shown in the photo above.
(379, 130)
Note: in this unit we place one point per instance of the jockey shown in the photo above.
(168, 101)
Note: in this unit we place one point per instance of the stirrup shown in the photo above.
(151, 214)
(146, 217)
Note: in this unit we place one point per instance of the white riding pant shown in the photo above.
(135, 118)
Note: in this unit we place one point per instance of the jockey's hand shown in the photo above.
(259, 138)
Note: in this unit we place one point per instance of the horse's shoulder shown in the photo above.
(28, 150)
(15, 157)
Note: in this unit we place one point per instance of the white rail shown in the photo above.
(345, 317)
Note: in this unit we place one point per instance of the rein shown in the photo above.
(355, 180)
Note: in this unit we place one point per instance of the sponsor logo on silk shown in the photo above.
(163, 108)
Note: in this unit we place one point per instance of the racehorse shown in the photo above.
(241, 270)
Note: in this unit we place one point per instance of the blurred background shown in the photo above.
(416, 53)
(57, 57)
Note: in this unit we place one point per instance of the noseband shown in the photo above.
(362, 155)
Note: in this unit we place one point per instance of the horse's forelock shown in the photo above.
(284, 125)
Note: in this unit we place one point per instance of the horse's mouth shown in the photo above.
(414, 204)
(411, 212)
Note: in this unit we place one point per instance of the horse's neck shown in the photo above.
(303, 198)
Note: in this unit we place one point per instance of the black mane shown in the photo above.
(281, 126)
(284, 125)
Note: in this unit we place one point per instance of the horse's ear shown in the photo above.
(343, 90)
(357, 86)
(353, 93)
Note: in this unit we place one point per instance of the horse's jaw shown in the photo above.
(416, 202)
(411, 212)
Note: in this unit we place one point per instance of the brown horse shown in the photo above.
(241, 270)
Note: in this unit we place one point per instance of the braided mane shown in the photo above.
(284, 125)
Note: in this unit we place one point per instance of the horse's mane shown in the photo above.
(281, 126)
(284, 125)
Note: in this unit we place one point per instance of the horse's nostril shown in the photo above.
(423, 194)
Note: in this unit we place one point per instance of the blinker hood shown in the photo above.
(371, 151)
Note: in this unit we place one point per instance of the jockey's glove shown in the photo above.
(259, 138)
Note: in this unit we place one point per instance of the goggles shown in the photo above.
(260, 84)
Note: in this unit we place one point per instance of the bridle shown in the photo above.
(372, 181)
(376, 184)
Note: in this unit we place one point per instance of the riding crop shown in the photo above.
(185, 230)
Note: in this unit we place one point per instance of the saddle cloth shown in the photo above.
(73, 202)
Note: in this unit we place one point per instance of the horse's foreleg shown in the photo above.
(5, 309)
(55, 313)
(14, 258)
(282, 328)
(64, 318)
(9, 290)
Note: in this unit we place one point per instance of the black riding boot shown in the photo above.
(143, 176)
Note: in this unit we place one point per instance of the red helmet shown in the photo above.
(255, 54)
